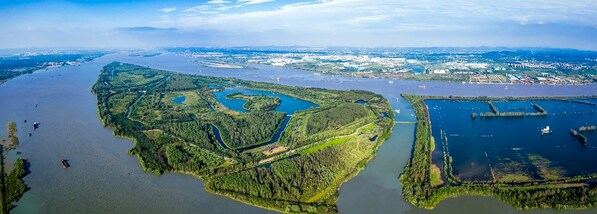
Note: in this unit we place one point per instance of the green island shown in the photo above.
(426, 185)
(283, 161)
(256, 102)
(12, 186)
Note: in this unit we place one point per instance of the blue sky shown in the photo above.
(362, 23)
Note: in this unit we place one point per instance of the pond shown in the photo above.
(494, 148)
(288, 105)
(214, 86)
(179, 99)
(362, 102)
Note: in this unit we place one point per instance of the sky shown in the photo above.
(355, 23)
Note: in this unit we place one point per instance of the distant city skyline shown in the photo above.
(356, 23)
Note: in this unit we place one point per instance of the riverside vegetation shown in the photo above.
(12, 186)
(424, 185)
(318, 149)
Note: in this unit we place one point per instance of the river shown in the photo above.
(105, 179)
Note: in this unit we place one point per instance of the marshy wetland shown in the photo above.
(510, 149)
(530, 152)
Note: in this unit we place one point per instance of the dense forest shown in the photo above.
(249, 129)
(236, 153)
(256, 102)
(561, 193)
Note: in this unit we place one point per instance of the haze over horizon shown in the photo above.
(384, 23)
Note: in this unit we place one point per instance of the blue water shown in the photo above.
(515, 106)
(362, 102)
(179, 99)
(415, 68)
(214, 86)
(475, 144)
(289, 104)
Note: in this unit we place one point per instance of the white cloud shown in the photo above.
(363, 21)
(345, 14)
(367, 19)
(218, 2)
(168, 9)
(253, 1)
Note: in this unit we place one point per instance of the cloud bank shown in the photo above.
(404, 23)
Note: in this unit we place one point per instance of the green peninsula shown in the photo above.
(284, 160)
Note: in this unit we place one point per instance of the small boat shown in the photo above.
(35, 125)
(506, 88)
(545, 130)
(423, 86)
(64, 163)
(390, 82)
(397, 111)
(30, 134)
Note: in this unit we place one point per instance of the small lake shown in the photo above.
(362, 102)
(503, 144)
(288, 105)
(214, 86)
(179, 99)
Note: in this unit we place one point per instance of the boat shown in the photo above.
(64, 163)
(35, 125)
(423, 86)
(545, 130)
(506, 88)
(390, 82)
(397, 111)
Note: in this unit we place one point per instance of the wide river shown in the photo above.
(103, 178)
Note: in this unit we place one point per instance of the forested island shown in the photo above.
(426, 185)
(257, 102)
(285, 161)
